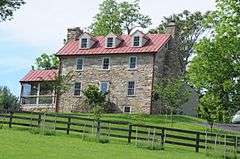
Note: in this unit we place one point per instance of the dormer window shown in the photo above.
(136, 41)
(84, 43)
(139, 39)
(110, 42)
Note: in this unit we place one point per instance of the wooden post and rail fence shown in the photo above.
(119, 129)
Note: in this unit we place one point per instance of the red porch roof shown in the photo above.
(40, 75)
(155, 42)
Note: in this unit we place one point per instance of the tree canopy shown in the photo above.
(189, 28)
(7, 8)
(46, 62)
(116, 18)
(8, 101)
(131, 17)
(172, 93)
(216, 67)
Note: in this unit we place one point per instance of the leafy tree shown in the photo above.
(7, 7)
(210, 109)
(131, 17)
(46, 62)
(190, 27)
(95, 99)
(172, 92)
(216, 66)
(107, 20)
(8, 101)
(116, 18)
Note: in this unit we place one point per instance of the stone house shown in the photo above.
(126, 66)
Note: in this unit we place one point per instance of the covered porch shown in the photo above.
(36, 91)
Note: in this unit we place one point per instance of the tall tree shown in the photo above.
(131, 17)
(118, 17)
(8, 101)
(46, 62)
(216, 66)
(189, 28)
(107, 20)
(7, 7)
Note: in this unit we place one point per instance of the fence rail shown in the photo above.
(119, 129)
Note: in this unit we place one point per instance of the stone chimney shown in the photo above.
(171, 28)
(73, 33)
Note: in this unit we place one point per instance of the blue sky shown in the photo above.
(40, 27)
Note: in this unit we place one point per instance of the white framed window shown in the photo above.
(77, 88)
(106, 63)
(131, 88)
(110, 42)
(132, 62)
(136, 41)
(104, 86)
(127, 109)
(84, 43)
(79, 63)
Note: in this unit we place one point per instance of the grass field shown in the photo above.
(17, 144)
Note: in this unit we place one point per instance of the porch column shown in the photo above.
(38, 93)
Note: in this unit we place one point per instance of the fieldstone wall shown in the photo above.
(39, 108)
(118, 76)
(160, 71)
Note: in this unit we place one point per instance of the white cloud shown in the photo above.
(44, 23)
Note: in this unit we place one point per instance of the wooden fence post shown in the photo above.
(197, 142)
(162, 138)
(10, 119)
(130, 133)
(39, 119)
(68, 125)
(98, 127)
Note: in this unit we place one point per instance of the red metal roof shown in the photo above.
(155, 42)
(40, 75)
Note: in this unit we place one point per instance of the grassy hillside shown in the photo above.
(18, 144)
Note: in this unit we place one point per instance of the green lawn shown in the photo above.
(17, 144)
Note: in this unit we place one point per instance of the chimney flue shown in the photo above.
(73, 33)
(171, 28)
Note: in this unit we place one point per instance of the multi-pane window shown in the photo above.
(79, 63)
(104, 87)
(106, 63)
(127, 109)
(131, 88)
(77, 88)
(46, 89)
(136, 41)
(84, 42)
(132, 62)
(109, 42)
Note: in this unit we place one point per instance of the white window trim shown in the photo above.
(109, 63)
(108, 85)
(82, 64)
(140, 41)
(129, 62)
(113, 42)
(127, 112)
(134, 89)
(88, 41)
(80, 89)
